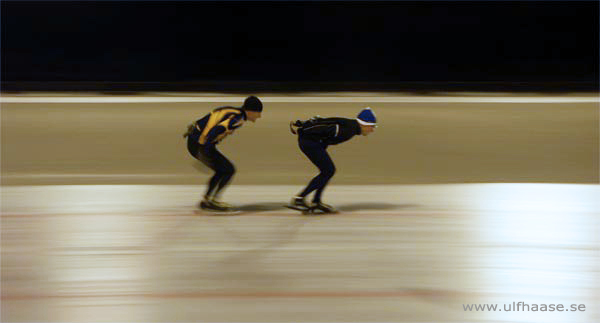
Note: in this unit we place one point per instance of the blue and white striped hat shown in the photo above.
(366, 117)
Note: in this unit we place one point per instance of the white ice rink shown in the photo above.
(396, 253)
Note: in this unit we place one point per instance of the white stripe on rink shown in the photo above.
(539, 201)
(300, 99)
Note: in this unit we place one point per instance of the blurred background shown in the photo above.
(382, 44)
(479, 186)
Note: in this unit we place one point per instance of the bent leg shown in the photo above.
(318, 155)
(209, 156)
(225, 169)
(327, 172)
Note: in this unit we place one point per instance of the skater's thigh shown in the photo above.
(325, 164)
(207, 156)
(317, 154)
(221, 163)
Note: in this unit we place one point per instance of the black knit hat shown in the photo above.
(252, 103)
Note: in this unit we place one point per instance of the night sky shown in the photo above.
(300, 41)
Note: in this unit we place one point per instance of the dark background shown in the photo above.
(298, 44)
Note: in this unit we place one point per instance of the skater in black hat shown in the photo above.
(202, 138)
(314, 136)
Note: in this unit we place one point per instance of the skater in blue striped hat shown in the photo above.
(314, 136)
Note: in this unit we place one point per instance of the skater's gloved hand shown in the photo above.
(190, 129)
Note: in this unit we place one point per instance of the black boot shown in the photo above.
(320, 207)
(299, 204)
(210, 205)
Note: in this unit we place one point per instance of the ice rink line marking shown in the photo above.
(195, 213)
(300, 99)
(250, 295)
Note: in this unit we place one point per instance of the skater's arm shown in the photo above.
(214, 133)
(226, 126)
(234, 122)
(321, 131)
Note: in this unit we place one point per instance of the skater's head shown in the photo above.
(253, 108)
(367, 121)
(366, 130)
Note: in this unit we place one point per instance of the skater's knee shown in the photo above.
(328, 172)
(227, 170)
